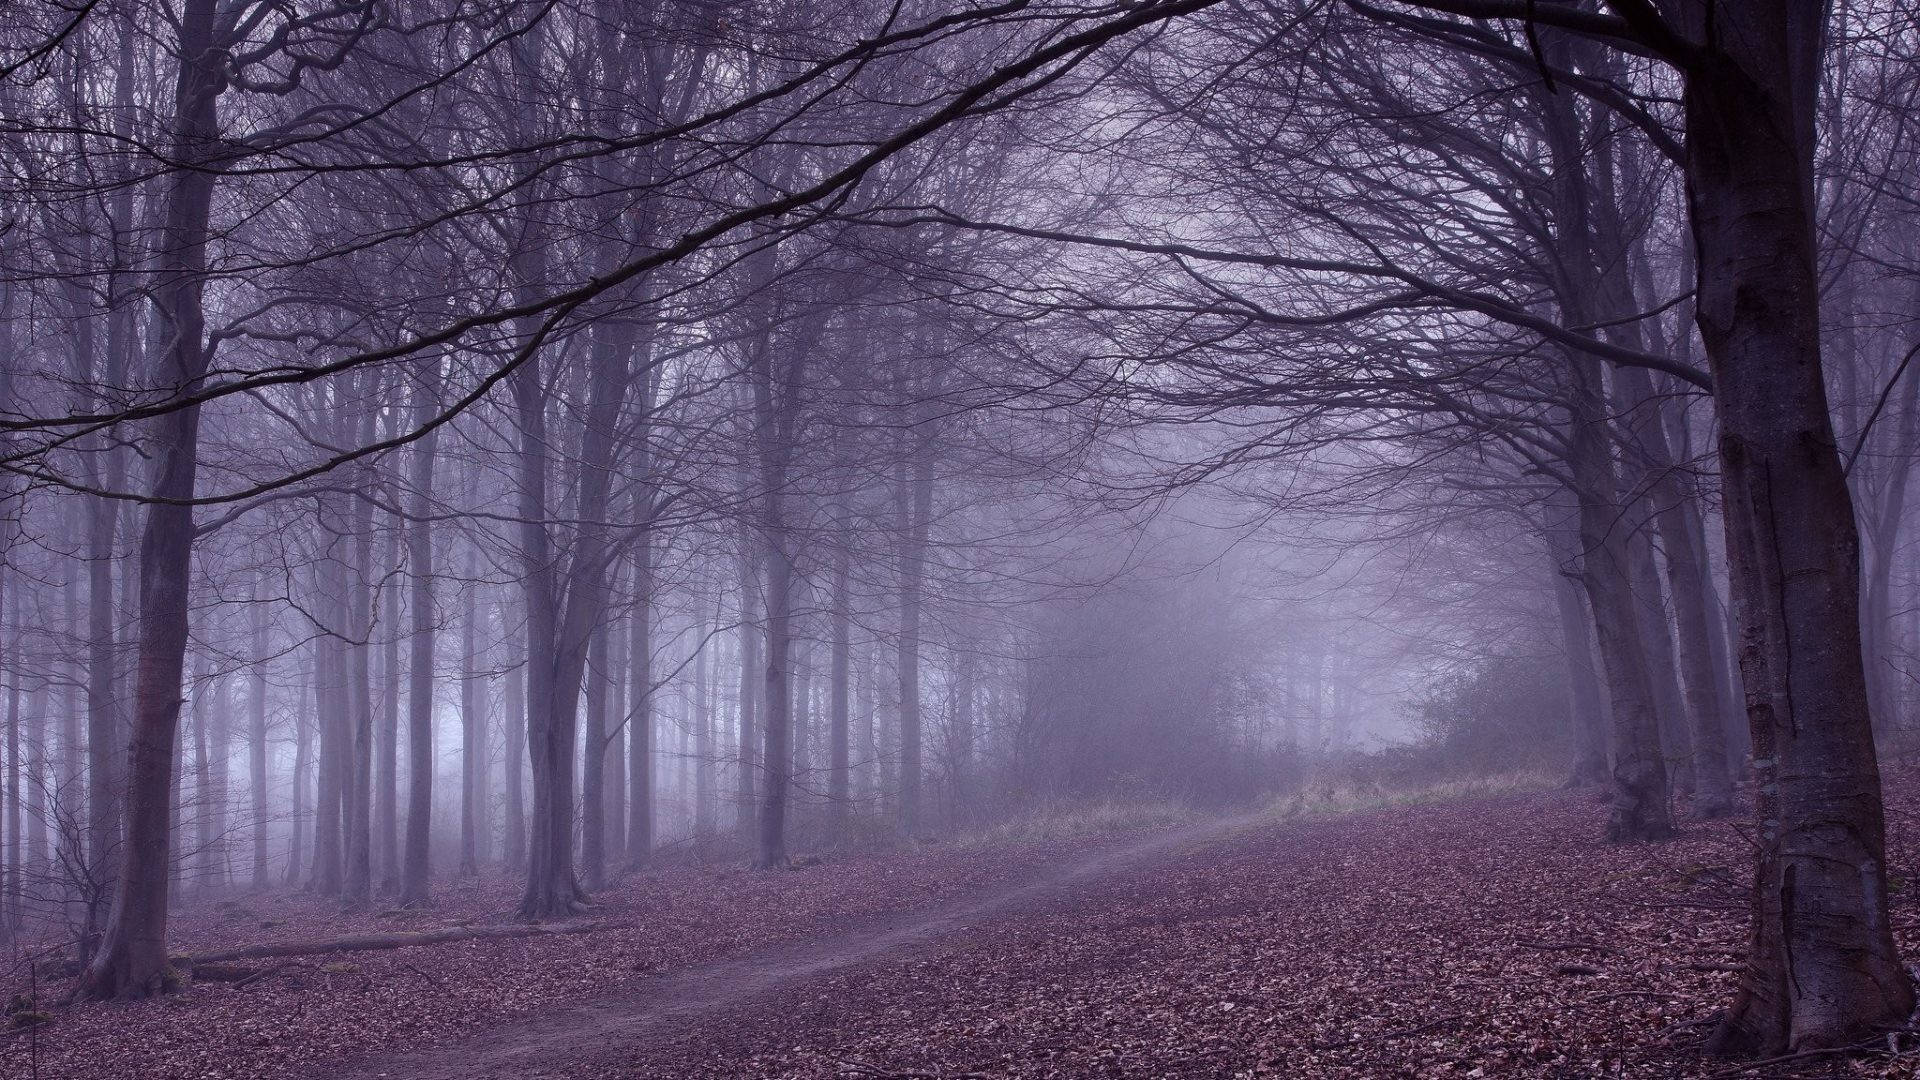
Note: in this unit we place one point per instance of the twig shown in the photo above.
(442, 987)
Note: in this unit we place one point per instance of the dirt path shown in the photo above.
(1497, 938)
(620, 1026)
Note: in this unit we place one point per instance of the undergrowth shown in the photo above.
(1077, 820)
(1348, 795)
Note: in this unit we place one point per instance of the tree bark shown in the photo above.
(640, 708)
(515, 738)
(613, 777)
(257, 737)
(593, 794)
(386, 788)
(1821, 969)
(357, 888)
(705, 674)
(416, 864)
(1640, 800)
(132, 960)
(333, 715)
(839, 782)
(472, 727)
(914, 516)
(1585, 706)
(748, 695)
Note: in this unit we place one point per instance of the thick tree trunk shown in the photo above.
(132, 960)
(1822, 969)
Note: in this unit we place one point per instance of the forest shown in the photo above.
(959, 538)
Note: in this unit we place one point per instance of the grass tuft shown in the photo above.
(1078, 820)
(1327, 798)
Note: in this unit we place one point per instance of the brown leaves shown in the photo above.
(1495, 939)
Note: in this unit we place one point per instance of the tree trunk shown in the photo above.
(1822, 969)
(386, 788)
(332, 710)
(1656, 641)
(302, 744)
(593, 794)
(15, 805)
(257, 779)
(132, 960)
(866, 770)
(705, 673)
(205, 688)
(640, 708)
(1640, 809)
(472, 728)
(839, 783)
(416, 864)
(776, 753)
(749, 697)
(515, 738)
(613, 776)
(358, 818)
(1585, 707)
(1640, 801)
(1701, 709)
(914, 518)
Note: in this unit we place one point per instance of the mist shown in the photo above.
(596, 538)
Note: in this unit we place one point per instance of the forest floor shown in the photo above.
(1492, 938)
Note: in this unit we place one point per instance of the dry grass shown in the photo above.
(1071, 822)
(1332, 797)
(1326, 797)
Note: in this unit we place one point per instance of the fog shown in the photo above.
(491, 458)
